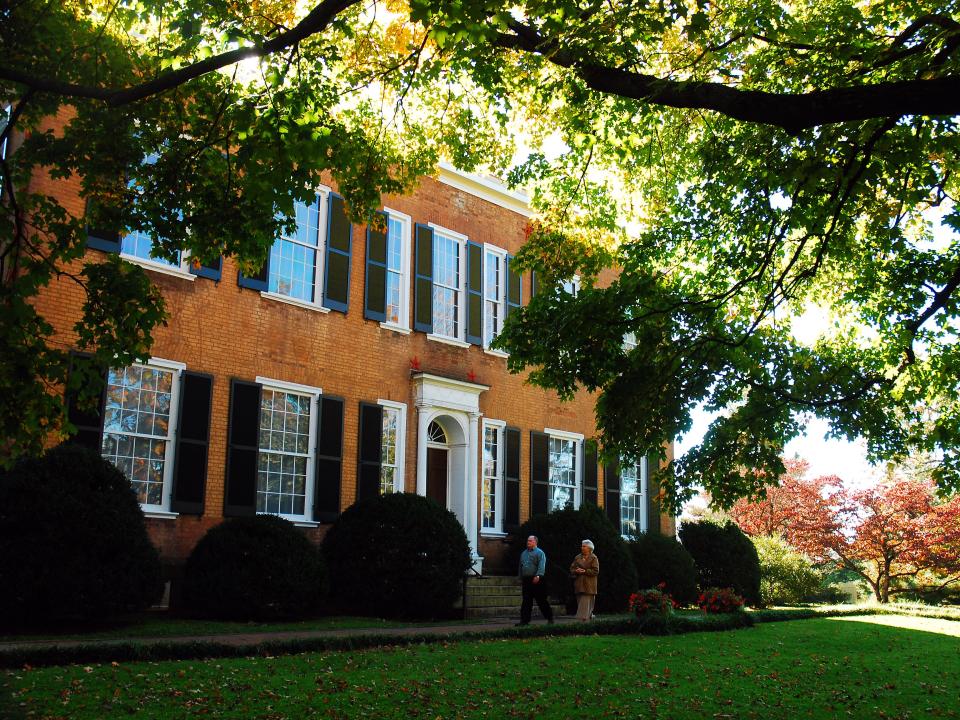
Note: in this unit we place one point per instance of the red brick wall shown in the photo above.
(230, 332)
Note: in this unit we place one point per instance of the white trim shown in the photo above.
(503, 289)
(160, 268)
(497, 423)
(395, 328)
(160, 514)
(294, 301)
(452, 234)
(461, 289)
(564, 434)
(448, 340)
(498, 489)
(496, 353)
(484, 188)
(431, 379)
(169, 364)
(399, 483)
(291, 386)
(405, 253)
(301, 523)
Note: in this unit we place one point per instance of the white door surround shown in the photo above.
(455, 406)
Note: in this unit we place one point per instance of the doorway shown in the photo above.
(437, 475)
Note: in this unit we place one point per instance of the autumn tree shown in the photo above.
(735, 163)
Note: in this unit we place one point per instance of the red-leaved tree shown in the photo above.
(799, 510)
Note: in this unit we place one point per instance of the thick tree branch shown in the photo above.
(316, 21)
(792, 112)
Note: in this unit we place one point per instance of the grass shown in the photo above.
(161, 625)
(820, 668)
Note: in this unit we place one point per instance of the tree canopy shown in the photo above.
(736, 163)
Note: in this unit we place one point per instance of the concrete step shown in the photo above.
(511, 611)
(492, 581)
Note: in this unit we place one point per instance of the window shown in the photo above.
(4, 120)
(139, 420)
(391, 447)
(447, 284)
(633, 498)
(284, 455)
(295, 258)
(571, 286)
(494, 293)
(564, 472)
(398, 269)
(491, 517)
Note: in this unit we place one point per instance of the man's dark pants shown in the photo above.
(534, 591)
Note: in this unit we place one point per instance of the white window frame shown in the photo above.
(499, 426)
(406, 239)
(640, 495)
(574, 283)
(5, 114)
(578, 461)
(314, 393)
(163, 509)
(629, 341)
(323, 226)
(461, 240)
(502, 288)
(401, 408)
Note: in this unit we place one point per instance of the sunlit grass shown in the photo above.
(931, 625)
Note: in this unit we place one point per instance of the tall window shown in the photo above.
(563, 474)
(138, 244)
(4, 120)
(138, 428)
(494, 294)
(391, 447)
(285, 461)
(492, 491)
(633, 498)
(571, 286)
(294, 257)
(629, 341)
(398, 269)
(447, 289)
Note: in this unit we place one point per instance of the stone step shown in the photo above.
(493, 581)
(510, 611)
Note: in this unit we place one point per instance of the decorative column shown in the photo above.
(423, 414)
(473, 521)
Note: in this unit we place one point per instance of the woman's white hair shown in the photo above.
(588, 543)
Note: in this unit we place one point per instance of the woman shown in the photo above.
(585, 568)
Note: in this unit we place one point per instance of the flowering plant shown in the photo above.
(720, 600)
(653, 601)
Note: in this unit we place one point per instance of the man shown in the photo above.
(533, 566)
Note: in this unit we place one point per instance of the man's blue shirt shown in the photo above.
(533, 562)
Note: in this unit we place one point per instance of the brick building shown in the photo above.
(356, 362)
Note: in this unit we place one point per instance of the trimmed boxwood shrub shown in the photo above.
(254, 568)
(725, 558)
(73, 544)
(559, 534)
(397, 555)
(786, 576)
(661, 559)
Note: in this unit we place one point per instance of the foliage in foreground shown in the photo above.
(661, 559)
(725, 558)
(74, 544)
(560, 533)
(256, 568)
(397, 555)
(896, 672)
(786, 576)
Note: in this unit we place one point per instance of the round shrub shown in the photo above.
(720, 600)
(74, 544)
(254, 568)
(786, 576)
(653, 601)
(559, 534)
(397, 555)
(661, 559)
(725, 558)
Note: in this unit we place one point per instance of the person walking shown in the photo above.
(533, 567)
(585, 568)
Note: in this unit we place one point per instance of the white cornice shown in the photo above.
(485, 188)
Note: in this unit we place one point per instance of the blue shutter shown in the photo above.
(423, 280)
(474, 293)
(211, 272)
(336, 268)
(375, 283)
(514, 287)
(260, 281)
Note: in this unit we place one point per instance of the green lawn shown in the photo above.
(887, 667)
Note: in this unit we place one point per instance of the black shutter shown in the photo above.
(259, 281)
(211, 272)
(240, 496)
(514, 287)
(371, 435)
(329, 460)
(590, 472)
(474, 293)
(611, 481)
(336, 270)
(539, 473)
(104, 235)
(511, 480)
(193, 437)
(653, 493)
(534, 285)
(88, 420)
(375, 284)
(423, 280)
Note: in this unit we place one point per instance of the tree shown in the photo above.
(763, 156)
(896, 531)
(795, 508)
